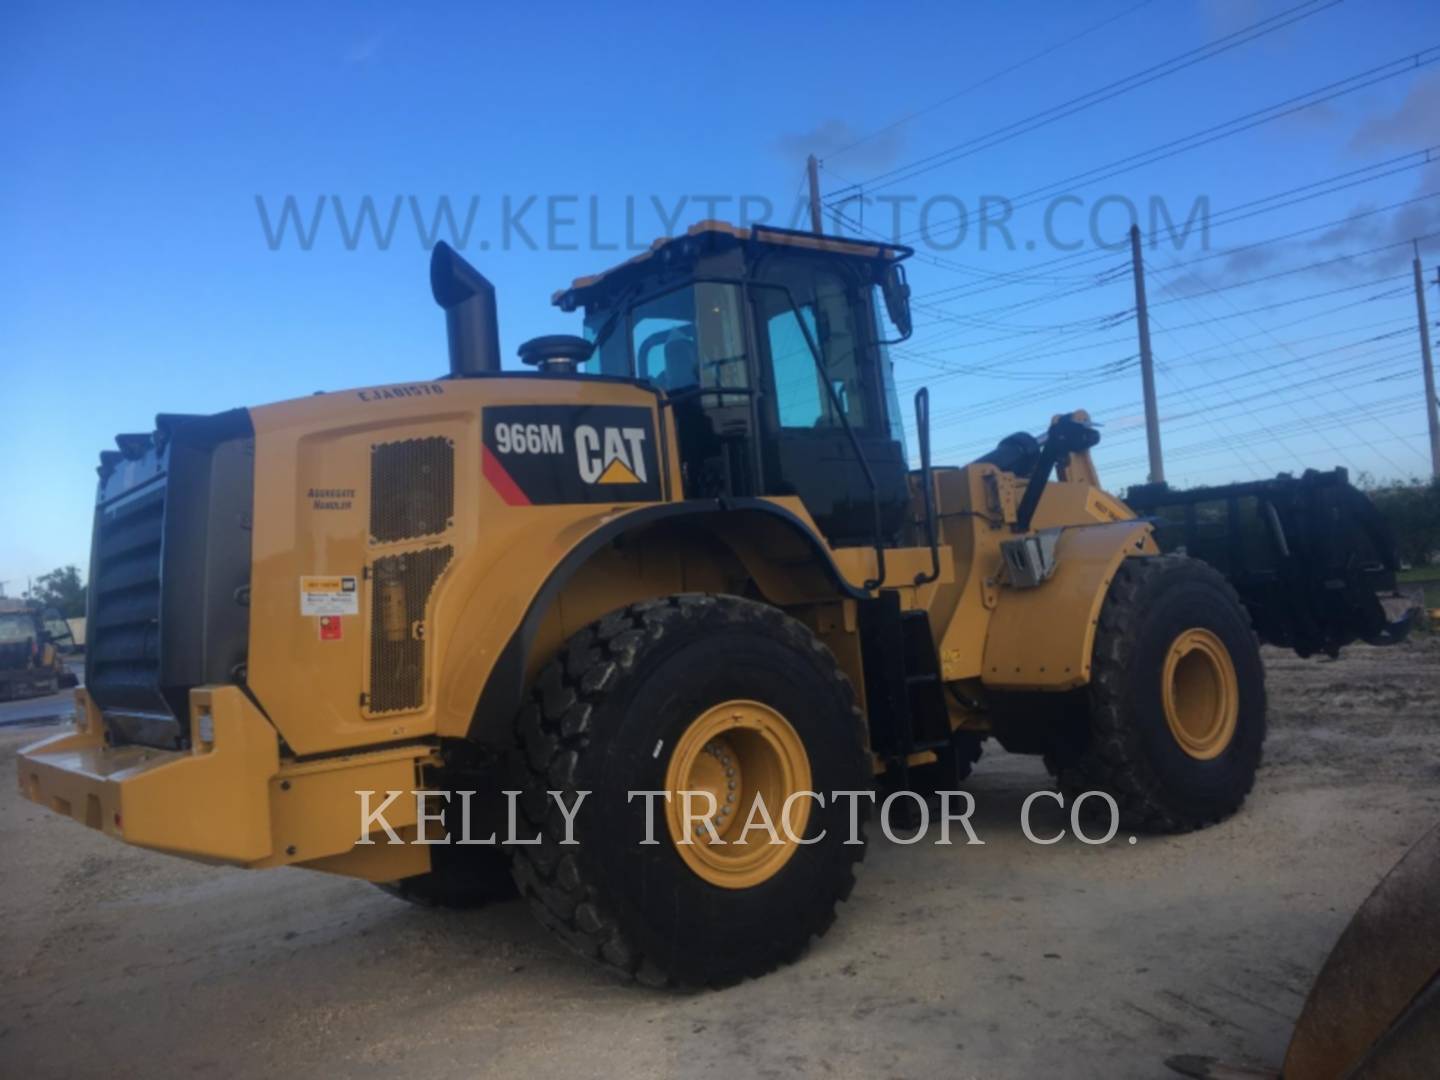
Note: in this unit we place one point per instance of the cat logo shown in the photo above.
(552, 455)
(611, 455)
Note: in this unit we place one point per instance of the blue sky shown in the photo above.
(137, 275)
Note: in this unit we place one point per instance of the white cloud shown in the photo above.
(1413, 126)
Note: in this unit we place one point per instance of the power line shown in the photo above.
(1347, 220)
(1229, 216)
(1196, 140)
(1011, 357)
(1102, 94)
(1292, 428)
(1010, 69)
(1274, 305)
(1207, 416)
(1386, 354)
(971, 411)
(977, 410)
(1338, 259)
(984, 408)
(1268, 371)
(1206, 450)
(1242, 376)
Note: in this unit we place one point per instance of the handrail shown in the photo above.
(927, 483)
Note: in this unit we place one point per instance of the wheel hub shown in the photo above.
(738, 752)
(1201, 694)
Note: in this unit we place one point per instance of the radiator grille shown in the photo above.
(123, 631)
(400, 588)
(412, 489)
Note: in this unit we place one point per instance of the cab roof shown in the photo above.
(713, 235)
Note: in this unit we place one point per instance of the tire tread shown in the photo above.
(554, 732)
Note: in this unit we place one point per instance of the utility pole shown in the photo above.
(812, 171)
(1147, 362)
(1427, 366)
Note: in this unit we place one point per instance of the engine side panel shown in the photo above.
(400, 534)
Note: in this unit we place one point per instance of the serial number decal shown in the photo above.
(547, 454)
(385, 393)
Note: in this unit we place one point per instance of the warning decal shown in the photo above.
(329, 595)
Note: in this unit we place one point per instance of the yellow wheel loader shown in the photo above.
(613, 616)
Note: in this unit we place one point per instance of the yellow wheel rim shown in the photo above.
(1201, 694)
(737, 752)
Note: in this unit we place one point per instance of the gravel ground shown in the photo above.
(1007, 960)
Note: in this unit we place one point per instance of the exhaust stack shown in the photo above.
(470, 321)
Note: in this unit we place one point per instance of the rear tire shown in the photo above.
(1176, 699)
(621, 708)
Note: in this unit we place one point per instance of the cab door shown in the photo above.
(805, 305)
(690, 342)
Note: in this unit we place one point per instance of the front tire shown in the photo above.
(690, 692)
(1176, 698)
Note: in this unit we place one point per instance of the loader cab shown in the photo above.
(769, 345)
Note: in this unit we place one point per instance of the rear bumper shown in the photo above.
(229, 798)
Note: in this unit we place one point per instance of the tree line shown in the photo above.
(61, 589)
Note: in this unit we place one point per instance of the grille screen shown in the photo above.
(412, 488)
(400, 587)
(123, 657)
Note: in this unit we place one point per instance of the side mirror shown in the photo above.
(896, 291)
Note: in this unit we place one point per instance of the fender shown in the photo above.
(731, 520)
(1041, 638)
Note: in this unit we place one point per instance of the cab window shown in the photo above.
(607, 333)
(16, 627)
(823, 301)
(691, 337)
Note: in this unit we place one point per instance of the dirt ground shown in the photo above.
(1007, 960)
